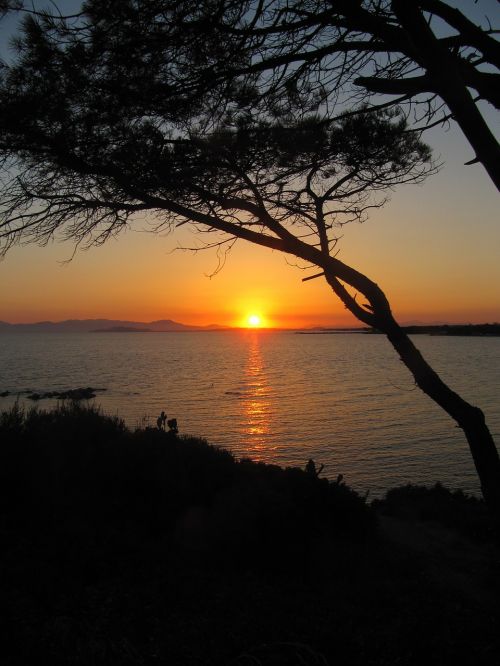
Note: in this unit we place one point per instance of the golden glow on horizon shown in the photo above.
(252, 316)
(140, 278)
(254, 321)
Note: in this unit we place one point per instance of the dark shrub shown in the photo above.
(456, 509)
(84, 477)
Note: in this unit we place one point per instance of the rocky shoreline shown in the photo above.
(81, 393)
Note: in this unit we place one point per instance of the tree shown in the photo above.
(97, 122)
(8, 6)
(423, 54)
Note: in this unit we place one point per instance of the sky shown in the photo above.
(434, 250)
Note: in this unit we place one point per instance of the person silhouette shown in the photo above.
(311, 468)
(172, 425)
(161, 420)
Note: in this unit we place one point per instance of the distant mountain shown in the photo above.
(122, 329)
(102, 325)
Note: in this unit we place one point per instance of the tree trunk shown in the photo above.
(469, 418)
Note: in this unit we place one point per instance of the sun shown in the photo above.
(254, 321)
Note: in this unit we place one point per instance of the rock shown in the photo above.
(78, 394)
(71, 394)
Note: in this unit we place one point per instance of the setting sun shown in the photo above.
(254, 321)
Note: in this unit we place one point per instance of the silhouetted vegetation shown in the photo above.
(147, 547)
(465, 513)
(75, 464)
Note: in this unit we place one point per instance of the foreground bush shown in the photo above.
(125, 548)
(82, 477)
(456, 509)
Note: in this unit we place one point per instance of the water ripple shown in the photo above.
(343, 400)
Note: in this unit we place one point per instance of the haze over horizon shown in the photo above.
(166, 324)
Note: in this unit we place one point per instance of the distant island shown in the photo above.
(467, 330)
(122, 329)
(104, 326)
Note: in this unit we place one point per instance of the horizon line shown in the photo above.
(215, 327)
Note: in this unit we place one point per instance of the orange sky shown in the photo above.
(435, 250)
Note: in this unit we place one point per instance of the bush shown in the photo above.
(80, 477)
(455, 509)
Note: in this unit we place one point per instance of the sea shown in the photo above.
(343, 399)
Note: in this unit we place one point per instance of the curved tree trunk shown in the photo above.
(469, 418)
(377, 314)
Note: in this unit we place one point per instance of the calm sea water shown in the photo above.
(344, 400)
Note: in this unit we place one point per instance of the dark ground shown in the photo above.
(146, 548)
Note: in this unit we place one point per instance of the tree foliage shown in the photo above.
(437, 61)
(98, 122)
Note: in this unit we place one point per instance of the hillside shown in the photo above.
(101, 325)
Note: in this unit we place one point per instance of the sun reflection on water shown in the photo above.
(257, 403)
